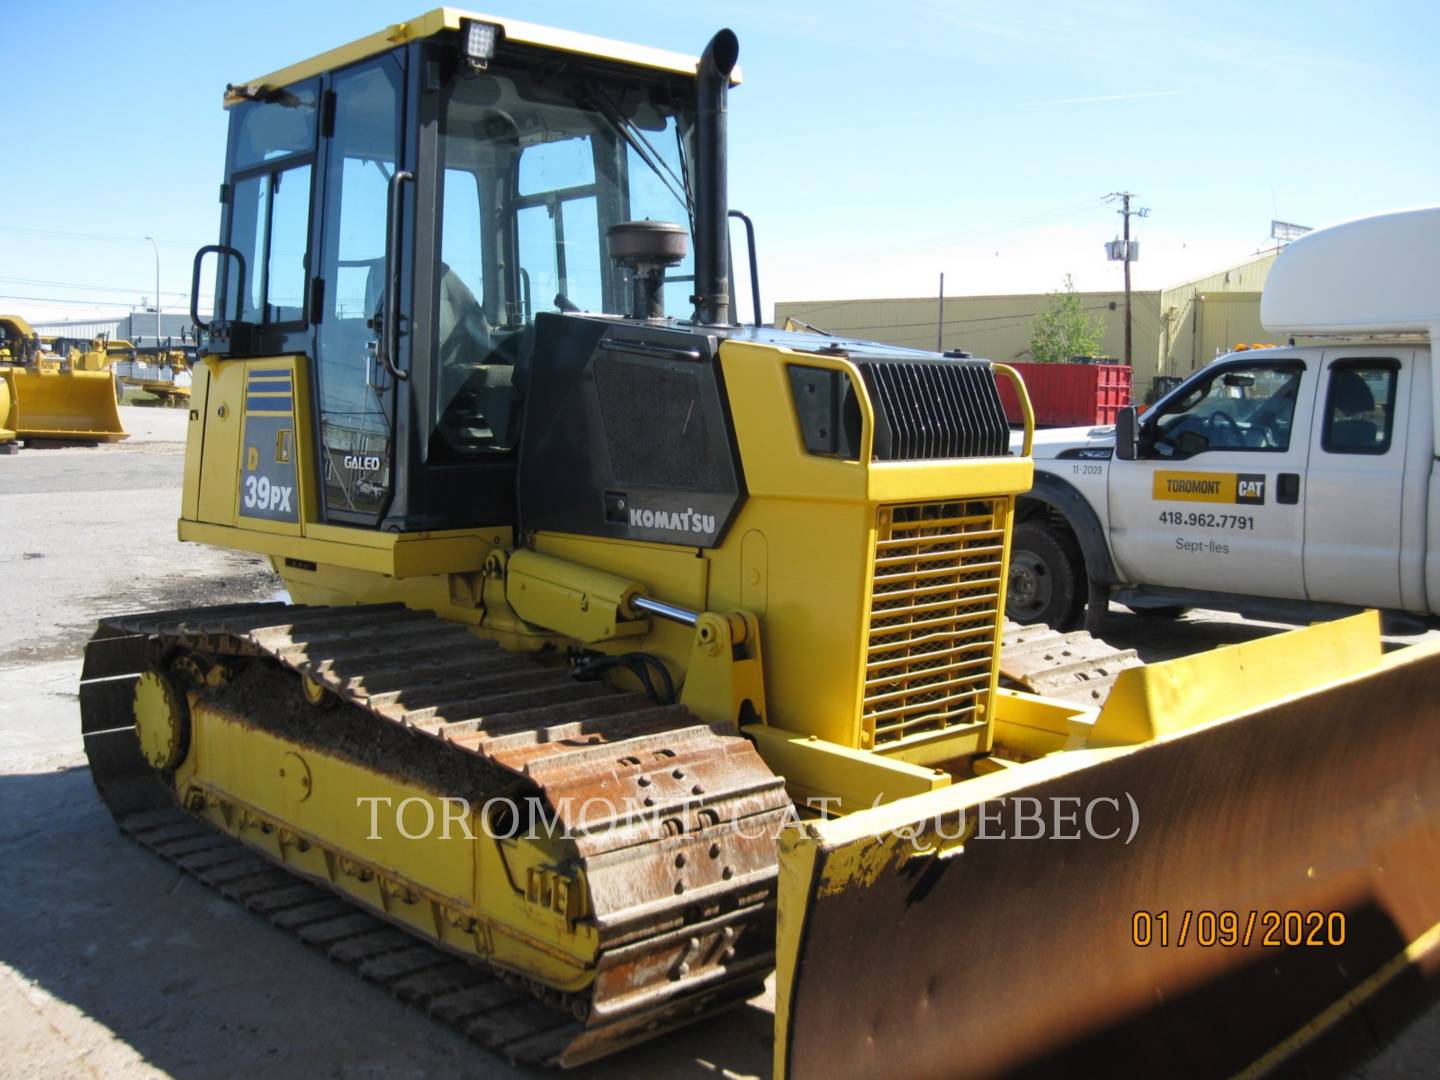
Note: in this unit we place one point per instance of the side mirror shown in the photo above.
(1127, 444)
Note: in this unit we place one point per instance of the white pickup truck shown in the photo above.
(1289, 482)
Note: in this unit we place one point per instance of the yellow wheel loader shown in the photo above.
(51, 397)
(636, 653)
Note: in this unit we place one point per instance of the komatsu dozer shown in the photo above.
(635, 653)
(45, 396)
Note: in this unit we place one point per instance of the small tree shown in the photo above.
(1063, 330)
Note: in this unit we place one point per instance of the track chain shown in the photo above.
(674, 946)
(1075, 666)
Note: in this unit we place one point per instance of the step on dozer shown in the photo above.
(720, 623)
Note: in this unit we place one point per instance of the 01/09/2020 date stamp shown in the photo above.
(1238, 929)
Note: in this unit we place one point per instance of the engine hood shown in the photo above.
(1052, 442)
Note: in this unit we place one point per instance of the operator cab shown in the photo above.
(411, 219)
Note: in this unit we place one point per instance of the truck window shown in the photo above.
(1360, 407)
(1247, 407)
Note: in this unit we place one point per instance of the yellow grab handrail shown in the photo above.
(1025, 407)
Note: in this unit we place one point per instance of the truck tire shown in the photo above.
(1046, 579)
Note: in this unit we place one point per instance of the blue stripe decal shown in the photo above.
(269, 404)
(270, 372)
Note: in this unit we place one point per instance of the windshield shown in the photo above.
(537, 167)
(1240, 408)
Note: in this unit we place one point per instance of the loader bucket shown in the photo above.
(64, 405)
(1243, 880)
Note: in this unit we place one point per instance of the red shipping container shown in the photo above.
(1069, 395)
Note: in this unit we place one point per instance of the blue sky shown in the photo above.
(875, 145)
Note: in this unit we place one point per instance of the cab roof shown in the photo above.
(441, 19)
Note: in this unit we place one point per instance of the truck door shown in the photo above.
(1214, 500)
(1356, 479)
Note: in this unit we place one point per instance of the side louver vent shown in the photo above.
(935, 409)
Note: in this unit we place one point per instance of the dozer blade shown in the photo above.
(76, 406)
(1243, 880)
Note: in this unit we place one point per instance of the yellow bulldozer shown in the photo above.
(636, 652)
(46, 396)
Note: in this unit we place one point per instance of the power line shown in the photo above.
(925, 341)
(1042, 217)
(93, 288)
(109, 237)
(104, 305)
(1022, 315)
(111, 304)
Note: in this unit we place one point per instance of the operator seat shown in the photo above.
(464, 333)
(1350, 397)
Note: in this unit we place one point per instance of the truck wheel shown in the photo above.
(1046, 579)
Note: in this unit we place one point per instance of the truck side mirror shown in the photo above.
(1126, 443)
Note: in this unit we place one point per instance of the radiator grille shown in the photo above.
(934, 607)
(935, 409)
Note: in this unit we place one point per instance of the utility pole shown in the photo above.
(1125, 213)
(940, 322)
(1127, 253)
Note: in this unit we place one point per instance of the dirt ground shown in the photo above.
(114, 964)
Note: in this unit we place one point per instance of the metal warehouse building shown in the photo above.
(1175, 330)
(137, 328)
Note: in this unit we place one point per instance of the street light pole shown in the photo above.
(156, 245)
(940, 321)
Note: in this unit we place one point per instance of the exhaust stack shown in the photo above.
(712, 248)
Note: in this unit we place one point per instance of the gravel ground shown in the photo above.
(113, 964)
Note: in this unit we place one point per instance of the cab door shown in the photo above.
(1215, 499)
(363, 147)
(247, 423)
(1357, 479)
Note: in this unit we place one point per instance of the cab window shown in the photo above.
(1243, 407)
(557, 226)
(536, 172)
(1360, 407)
(272, 144)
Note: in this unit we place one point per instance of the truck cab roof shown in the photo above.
(1372, 275)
